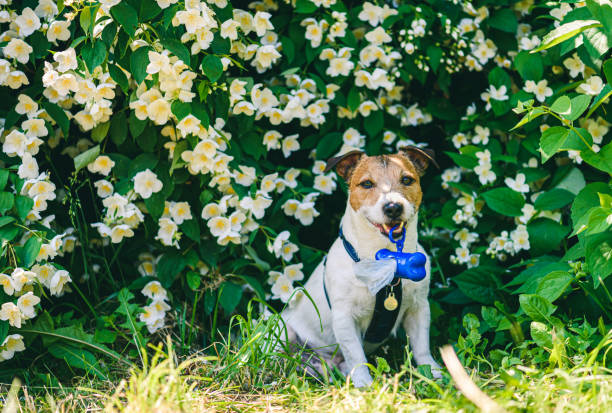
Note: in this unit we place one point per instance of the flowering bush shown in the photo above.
(163, 161)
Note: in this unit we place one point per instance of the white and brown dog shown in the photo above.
(384, 192)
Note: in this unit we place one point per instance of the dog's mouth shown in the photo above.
(396, 226)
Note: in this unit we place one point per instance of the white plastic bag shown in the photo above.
(375, 274)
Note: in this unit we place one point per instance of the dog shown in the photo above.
(337, 312)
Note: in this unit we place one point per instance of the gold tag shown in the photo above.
(390, 302)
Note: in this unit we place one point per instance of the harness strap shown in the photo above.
(383, 320)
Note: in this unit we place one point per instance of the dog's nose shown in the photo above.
(393, 209)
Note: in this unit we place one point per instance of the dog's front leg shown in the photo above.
(416, 324)
(351, 346)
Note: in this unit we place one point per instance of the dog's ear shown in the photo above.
(420, 157)
(345, 164)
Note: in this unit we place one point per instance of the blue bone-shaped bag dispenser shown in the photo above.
(409, 265)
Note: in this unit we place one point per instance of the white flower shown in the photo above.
(11, 313)
(11, 344)
(485, 174)
(520, 238)
(592, 86)
(28, 22)
(219, 226)
(28, 168)
(66, 60)
(377, 36)
(168, 232)
(517, 184)
(306, 212)
(102, 164)
(155, 291)
(528, 211)
(294, 272)
(261, 23)
(26, 304)
(146, 183)
(290, 144)
(574, 65)
(104, 188)
(180, 212)
(282, 289)
(58, 30)
(58, 282)
(7, 284)
(324, 183)
(118, 232)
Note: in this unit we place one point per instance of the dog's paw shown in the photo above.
(361, 377)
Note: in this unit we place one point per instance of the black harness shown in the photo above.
(383, 320)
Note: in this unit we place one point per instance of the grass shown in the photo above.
(246, 373)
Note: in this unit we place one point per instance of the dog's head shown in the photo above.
(384, 189)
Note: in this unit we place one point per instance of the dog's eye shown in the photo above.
(407, 181)
(367, 184)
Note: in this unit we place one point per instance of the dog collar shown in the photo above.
(410, 265)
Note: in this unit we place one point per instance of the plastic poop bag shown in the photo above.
(375, 274)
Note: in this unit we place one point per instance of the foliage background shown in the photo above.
(518, 234)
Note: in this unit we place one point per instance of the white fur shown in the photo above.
(352, 305)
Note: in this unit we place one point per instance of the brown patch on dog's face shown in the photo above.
(375, 176)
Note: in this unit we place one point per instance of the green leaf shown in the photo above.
(529, 66)
(178, 49)
(230, 296)
(553, 199)
(136, 125)
(504, 20)
(602, 11)
(288, 49)
(155, 204)
(94, 54)
(545, 235)
(24, 205)
(86, 18)
(562, 105)
(553, 285)
(85, 158)
(58, 115)
(126, 16)
(536, 307)
(191, 228)
(253, 145)
(603, 96)
(78, 358)
(595, 42)
(564, 32)
(193, 280)
(580, 103)
(169, 266)
(374, 123)
(504, 201)
(100, 131)
(7, 200)
(118, 76)
(588, 198)
(329, 145)
(601, 160)
(480, 284)
(541, 334)
(607, 69)
(4, 328)
(118, 131)
(4, 174)
(598, 254)
(212, 67)
(30, 251)
(6, 220)
(353, 99)
(552, 140)
(139, 60)
(305, 7)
